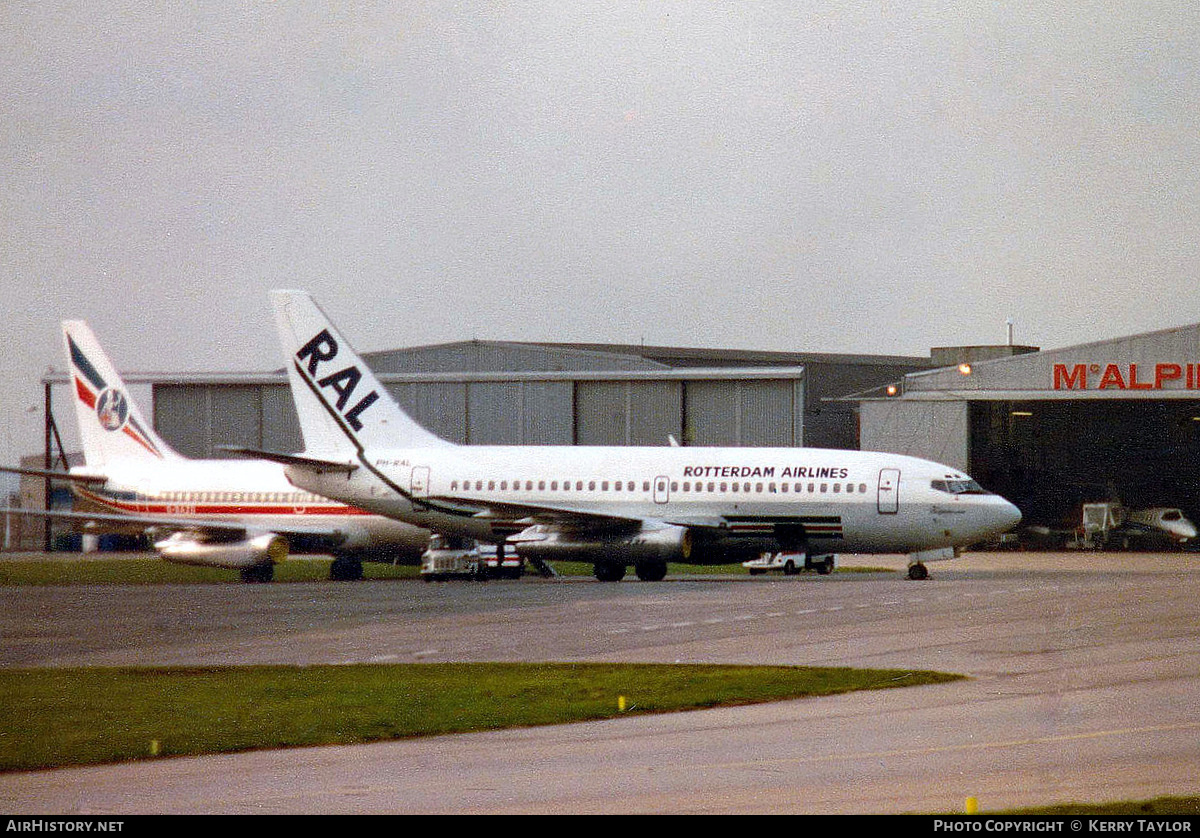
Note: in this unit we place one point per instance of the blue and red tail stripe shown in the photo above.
(89, 396)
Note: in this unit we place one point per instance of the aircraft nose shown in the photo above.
(1012, 514)
(1005, 515)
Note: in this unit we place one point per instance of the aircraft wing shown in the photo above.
(115, 520)
(564, 516)
(530, 514)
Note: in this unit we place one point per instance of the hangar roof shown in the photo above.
(498, 356)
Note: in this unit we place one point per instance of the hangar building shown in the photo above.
(480, 392)
(1114, 420)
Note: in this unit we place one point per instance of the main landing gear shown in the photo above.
(651, 570)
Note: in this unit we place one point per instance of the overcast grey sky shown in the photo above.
(840, 177)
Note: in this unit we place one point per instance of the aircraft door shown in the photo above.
(889, 491)
(662, 490)
(420, 482)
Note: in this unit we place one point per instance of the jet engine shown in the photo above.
(255, 557)
(541, 543)
(647, 549)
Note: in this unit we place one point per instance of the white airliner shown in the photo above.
(613, 506)
(237, 514)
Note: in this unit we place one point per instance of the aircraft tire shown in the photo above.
(345, 569)
(608, 572)
(918, 572)
(651, 571)
(790, 569)
(826, 567)
(258, 573)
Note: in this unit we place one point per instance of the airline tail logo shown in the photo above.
(112, 409)
(321, 349)
(111, 405)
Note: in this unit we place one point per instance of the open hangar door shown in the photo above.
(1051, 456)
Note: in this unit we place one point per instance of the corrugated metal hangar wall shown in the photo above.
(725, 407)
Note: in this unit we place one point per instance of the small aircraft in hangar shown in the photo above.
(1110, 525)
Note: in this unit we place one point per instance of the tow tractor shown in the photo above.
(789, 563)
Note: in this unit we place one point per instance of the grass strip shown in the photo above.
(1144, 808)
(154, 571)
(59, 717)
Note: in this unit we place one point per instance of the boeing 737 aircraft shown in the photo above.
(612, 506)
(242, 515)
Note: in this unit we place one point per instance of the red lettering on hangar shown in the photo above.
(1166, 376)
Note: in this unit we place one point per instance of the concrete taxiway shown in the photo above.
(1084, 686)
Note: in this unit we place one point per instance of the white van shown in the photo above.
(451, 558)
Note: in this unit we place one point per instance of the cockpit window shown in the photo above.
(958, 487)
(1172, 515)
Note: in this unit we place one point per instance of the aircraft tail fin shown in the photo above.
(342, 406)
(111, 427)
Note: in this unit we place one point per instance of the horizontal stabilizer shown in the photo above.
(56, 475)
(313, 463)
